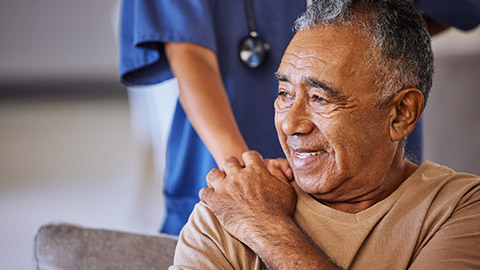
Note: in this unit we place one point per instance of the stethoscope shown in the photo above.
(254, 50)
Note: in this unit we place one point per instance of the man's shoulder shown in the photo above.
(448, 205)
(205, 244)
(204, 219)
(437, 177)
(440, 191)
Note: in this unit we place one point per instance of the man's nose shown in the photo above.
(298, 120)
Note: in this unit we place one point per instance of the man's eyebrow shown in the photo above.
(323, 86)
(313, 82)
(280, 77)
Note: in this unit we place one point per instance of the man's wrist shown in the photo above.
(284, 245)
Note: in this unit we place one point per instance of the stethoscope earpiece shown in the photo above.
(253, 50)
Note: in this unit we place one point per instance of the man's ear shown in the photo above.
(407, 106)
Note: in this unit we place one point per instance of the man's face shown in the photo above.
(334, 137)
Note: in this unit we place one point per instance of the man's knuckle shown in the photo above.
(229, 162)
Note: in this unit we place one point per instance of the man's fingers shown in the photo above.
(274, 168)
(285, 167)
(274, 165)
(214, 177)
(231, 164)
(252, 158)
(205, 194)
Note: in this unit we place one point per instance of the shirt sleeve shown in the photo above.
(147, 24)
(204, 244)
(456, 244)
(461, 14)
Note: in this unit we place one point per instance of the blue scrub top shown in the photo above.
(461, 14)
(220, 25)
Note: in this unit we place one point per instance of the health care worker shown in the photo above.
(224, 55)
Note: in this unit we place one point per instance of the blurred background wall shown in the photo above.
(54, 39)
(67, 153)
(452, 115)
(66, 149)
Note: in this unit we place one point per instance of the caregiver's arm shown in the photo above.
(204, 99)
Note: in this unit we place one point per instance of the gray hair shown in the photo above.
(400, 40)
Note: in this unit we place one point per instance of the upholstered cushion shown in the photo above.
(64, 246)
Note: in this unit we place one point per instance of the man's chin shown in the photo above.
(313, 186)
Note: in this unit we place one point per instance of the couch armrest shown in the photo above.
(64, 246)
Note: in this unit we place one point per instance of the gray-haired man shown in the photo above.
(352, 85)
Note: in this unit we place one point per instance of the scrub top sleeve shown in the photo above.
(461, 14)
(146, 25)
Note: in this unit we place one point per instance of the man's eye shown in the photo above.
(283, 94)
(284, 100)
(319, 99)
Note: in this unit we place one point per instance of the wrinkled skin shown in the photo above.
(338, 143)
(267, 186)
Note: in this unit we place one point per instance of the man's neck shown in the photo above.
(396, 176)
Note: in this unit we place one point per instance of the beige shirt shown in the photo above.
(432, 221)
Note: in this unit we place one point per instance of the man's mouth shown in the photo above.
(302, 158)
(304, 155)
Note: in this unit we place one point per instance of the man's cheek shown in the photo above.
(278, 124)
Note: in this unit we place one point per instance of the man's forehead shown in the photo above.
(330, 58)
(335, 41)
(325, 47)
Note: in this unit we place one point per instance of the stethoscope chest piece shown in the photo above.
(254, 50)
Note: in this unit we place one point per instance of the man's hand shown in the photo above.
(250, 199)
(255, 204)
(279, 163)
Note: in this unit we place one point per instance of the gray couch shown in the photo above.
(65, 246)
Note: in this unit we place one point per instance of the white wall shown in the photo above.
(48, 39)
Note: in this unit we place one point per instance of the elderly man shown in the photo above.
(352, 85)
